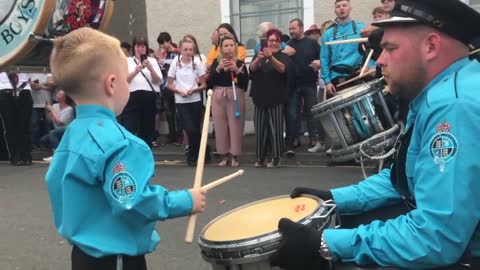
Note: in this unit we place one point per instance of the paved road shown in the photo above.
(28, 240)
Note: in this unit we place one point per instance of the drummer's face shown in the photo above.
(401, 62)
(343, 9)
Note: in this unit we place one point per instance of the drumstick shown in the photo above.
(356, 78)
(353, 40)
(192, 220)
(235, 101)
(474, 52)
(369, 57)
(223, 180)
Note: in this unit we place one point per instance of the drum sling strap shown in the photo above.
(398, 177)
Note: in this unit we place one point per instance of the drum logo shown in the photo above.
(122, 186)
(443, 146)
(19, 22)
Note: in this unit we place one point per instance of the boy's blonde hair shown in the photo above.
(80, 58)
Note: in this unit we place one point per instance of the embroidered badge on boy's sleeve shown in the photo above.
(123, 187)
(443, 146)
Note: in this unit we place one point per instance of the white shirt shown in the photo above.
(186, 79)
(139, 82)
(66, 115)
(5, 82)
(40, 97)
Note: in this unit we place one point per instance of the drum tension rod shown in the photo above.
(40, 38)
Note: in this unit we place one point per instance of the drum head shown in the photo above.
(258, 218)
(18, 19)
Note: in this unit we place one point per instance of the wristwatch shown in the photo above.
(324, 252)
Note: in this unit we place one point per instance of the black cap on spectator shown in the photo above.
(452, 17)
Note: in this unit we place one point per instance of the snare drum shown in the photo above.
(20, 51)
(246, 237)
(353, 116)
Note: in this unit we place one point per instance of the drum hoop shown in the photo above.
(267, 237)
(328, 105)
(346, 104)
(107, 16)
(26, 46)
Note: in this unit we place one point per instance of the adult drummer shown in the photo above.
(425, 59)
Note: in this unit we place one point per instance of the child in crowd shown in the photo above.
(98, 180)
(186, 79)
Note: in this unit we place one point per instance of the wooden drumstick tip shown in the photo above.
(240, 172)
(210, 92)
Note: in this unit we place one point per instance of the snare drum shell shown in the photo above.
(352, 115)
(250, 250)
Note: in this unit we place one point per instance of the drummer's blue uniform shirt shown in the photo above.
(99, 191)
(442, 169)
(344, 55)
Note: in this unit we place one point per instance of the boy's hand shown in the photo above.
(198, 198)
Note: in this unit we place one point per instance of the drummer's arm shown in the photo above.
(325, 60)
(154, 202)
(374, 192)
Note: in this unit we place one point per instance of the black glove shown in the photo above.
(374, 40)
(299, 248)
(322, 194)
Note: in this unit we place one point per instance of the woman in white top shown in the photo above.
(185, 79)
(144, 80)
(61, 114)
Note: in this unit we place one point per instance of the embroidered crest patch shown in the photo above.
(443, 146)
(123, 187)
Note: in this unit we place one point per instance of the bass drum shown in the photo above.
(25, 25)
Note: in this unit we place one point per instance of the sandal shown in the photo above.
(235, 163)
(154, 144)
(223, 163)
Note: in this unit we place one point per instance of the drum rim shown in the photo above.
(26, 45)
(330, 104)
(271, 236)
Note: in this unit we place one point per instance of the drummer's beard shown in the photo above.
(409, 84)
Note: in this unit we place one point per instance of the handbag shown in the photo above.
(159, 102)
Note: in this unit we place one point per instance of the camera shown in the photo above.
(143, 57)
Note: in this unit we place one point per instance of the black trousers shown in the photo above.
(139, 115)
(191, 116)
(174, 127)
(16, 118)
(269, 131)
(83, 261)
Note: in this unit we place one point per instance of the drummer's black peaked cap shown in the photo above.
(452, 17)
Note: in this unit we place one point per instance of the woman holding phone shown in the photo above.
(144, 80)
(225, 70)
(269, 92)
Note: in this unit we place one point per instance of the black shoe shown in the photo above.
(18, 163)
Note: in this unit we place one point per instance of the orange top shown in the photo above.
(214, 52)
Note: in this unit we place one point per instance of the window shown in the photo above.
(245, 15)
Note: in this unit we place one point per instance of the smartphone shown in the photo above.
(143, 57)
(263, 43)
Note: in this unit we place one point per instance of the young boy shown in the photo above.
(98, 179)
